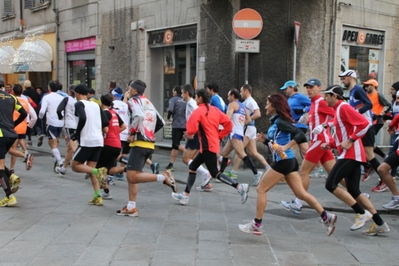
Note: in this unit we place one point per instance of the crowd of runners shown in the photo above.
(113, 136)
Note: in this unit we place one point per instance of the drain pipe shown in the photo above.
(331, 57)
(57, 23)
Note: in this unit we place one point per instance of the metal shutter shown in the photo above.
(28, 4)
(8, 7)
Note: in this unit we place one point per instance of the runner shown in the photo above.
(206, 120)
(146, 121)
(89, 133)
(66, 111)
(349, 127)
(8, 104)
(237, 113)
(284, 165)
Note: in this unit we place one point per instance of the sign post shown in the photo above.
(247, 24)
(296, 42)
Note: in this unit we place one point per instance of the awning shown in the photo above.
(6, 57)
(33, 56)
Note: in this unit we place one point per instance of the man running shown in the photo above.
(54, 126)
(146, 121)
(8, 104)
(250, 130)
(237, 113)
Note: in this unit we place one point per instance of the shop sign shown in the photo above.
(22, 68)
(80, 44)
(79, 63)
(363, 36)
(170, 36)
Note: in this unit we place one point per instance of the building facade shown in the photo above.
(170, 42)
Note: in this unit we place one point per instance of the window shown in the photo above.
(36, 4)
(8, 9)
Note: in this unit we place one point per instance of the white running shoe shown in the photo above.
(361, 219)
(181, 197)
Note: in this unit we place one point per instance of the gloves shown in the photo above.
(74, 136)
(318, 129)
(299, 111)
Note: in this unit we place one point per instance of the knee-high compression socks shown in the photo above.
(190, 182)
(200, 170)
(57, 155)
(8, 173)
(375, 164)
(5, 183)
(377, 219)
(357, 208)
(248, 161)
(378, 151)
(223, 164)
(227, 180)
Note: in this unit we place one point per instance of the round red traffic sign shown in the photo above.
(247, 23)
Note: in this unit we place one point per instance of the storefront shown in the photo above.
(81, 61)
(173, 62)
(29, 58)
(363, 50)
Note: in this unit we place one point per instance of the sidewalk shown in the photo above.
(278, 193)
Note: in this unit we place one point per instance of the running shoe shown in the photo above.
(155, 168)
(125, 212)
(250, 228)
(206, 178)
(361, 219)
(60, 170)
(97, 201)
(377, 229)
(291, 206)
(330, 223)
(29, 161)
(6, 202)
(87, 176)
(29, 143)
(106, 196)
(181, 197)
(257, 178)
(110, 180)
(40, 140)
(55, 166)
(14, 183)
(170, 181)
(392, 205)
(102, 176)
(367, 173)
(232, 174)
(381, 187)
(243, 191)
(169, 167)
(119, 177)
(207, 188)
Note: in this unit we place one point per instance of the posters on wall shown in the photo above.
(373, 63)
(344, 58)
(169, 62)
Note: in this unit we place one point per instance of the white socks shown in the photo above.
(131, 205)
(160, 178)
(57, 155)
(298, 202)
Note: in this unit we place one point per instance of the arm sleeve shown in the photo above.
(120, 121)
(31, 102)
(362, 96)
(356, 119)
(306, 102)
(192, 123)
(43, 108)
(61, 107)
(33, 116)
(394, 123)
(296, 133)
(171, 107)
(81, 114)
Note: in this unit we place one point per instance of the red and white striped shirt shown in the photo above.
(320, 113)
(348, 123)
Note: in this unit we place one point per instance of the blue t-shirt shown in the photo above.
(280, 137)
(218, 102)
(300, 102)
(359, 100)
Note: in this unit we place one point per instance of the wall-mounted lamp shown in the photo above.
(111, 47)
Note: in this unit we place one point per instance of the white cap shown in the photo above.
(349, 72)
(397, 94)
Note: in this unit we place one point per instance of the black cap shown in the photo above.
(396, 86)
(335, 89)
(81, 89)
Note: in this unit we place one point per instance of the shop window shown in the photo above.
(82, 71)
(36, 4)
(362, 59)
(8, 9)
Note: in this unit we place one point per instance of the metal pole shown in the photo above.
(246, 68)
(294, 63)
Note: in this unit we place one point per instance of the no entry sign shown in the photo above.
(247, 23)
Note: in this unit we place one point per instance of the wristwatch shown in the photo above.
(351, 139)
